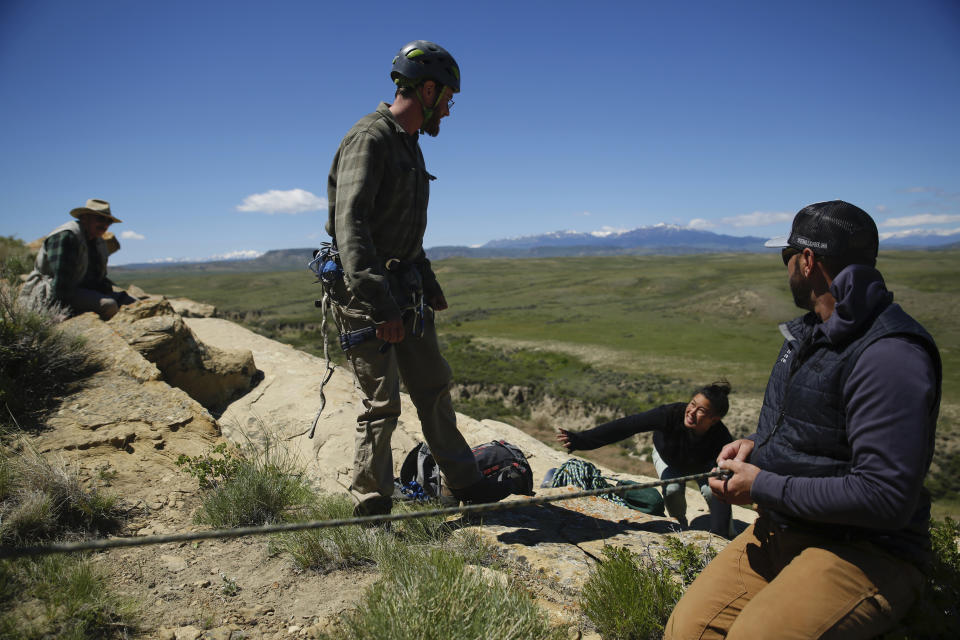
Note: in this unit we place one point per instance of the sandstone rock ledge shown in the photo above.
(128, 424)
(557, 541)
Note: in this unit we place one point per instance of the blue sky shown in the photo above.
(210, 125)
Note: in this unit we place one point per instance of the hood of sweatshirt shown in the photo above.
(861, 295)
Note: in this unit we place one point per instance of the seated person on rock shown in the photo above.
(687, 437)
(71, 266)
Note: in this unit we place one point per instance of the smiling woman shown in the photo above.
(687, 440)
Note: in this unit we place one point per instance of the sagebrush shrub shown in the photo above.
(74, 597)
(44, 499)
(629, 597)
(39, 362)
(432, 594)
(250, 485)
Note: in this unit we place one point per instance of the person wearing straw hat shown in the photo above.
(71, 266)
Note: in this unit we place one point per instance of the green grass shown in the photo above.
(353, 546)
(42, 499)
(256, 484)
(433, 596)
(937, 613)
(58, 596)
(698, 317)
(629, 598)
(15, 258)
(61, 596)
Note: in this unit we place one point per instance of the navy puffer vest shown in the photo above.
(802, 426)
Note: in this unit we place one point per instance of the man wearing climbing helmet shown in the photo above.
(377, 190)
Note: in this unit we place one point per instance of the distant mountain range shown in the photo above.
(662, 239)
(925, 241)
(659, 239)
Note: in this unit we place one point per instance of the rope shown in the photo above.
(324, 305)
(581, 473)
(137, 541)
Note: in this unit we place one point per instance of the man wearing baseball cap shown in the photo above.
(71, 266)
(836, 466)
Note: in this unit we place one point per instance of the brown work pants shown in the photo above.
(427, 377)
(774, 583)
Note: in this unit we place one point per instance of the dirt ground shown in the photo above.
(219, 589)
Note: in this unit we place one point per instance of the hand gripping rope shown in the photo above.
(7, 551)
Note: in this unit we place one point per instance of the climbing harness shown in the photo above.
(328, 270)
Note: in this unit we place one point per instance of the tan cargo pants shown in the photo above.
(427, 376)
(771, 583)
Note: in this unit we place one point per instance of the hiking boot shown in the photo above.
(446, 498)
(482, 492)
(376, 506)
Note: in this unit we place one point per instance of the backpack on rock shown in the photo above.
(504, 467)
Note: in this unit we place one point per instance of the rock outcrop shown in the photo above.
(125, 417)
(211, 375)
(129, 425)
(559, 541)
(189, 309)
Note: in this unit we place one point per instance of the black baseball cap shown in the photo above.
(833, 229)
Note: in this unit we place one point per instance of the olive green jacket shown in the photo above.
(377, 192)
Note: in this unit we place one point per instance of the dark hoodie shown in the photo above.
(889, 408)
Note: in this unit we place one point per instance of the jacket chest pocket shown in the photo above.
(412, 184)
(405, 178)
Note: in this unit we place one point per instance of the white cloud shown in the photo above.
(880, 208)
(700, 223)
(758, 219)
(586, 213)
(293, 201)
(130, 234)
(921, 218)
(937, 192)
(906, 233)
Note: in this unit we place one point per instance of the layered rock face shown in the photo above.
(128, 419)
(558, 542)
(211, 375)
(125, 418)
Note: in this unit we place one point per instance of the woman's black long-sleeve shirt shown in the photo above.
(677, 445)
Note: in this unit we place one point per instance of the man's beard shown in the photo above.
(431, 126)
(802, 290)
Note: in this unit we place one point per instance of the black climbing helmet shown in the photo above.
(421, 60)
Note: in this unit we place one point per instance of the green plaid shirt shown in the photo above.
(377, 194)
(63, 254)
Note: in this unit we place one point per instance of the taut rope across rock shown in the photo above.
(7, 551)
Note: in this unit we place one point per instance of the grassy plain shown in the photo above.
(693, 317)
(619, 334)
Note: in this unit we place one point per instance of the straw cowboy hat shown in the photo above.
(96, 207)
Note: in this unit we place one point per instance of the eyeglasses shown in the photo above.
(787, 253)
